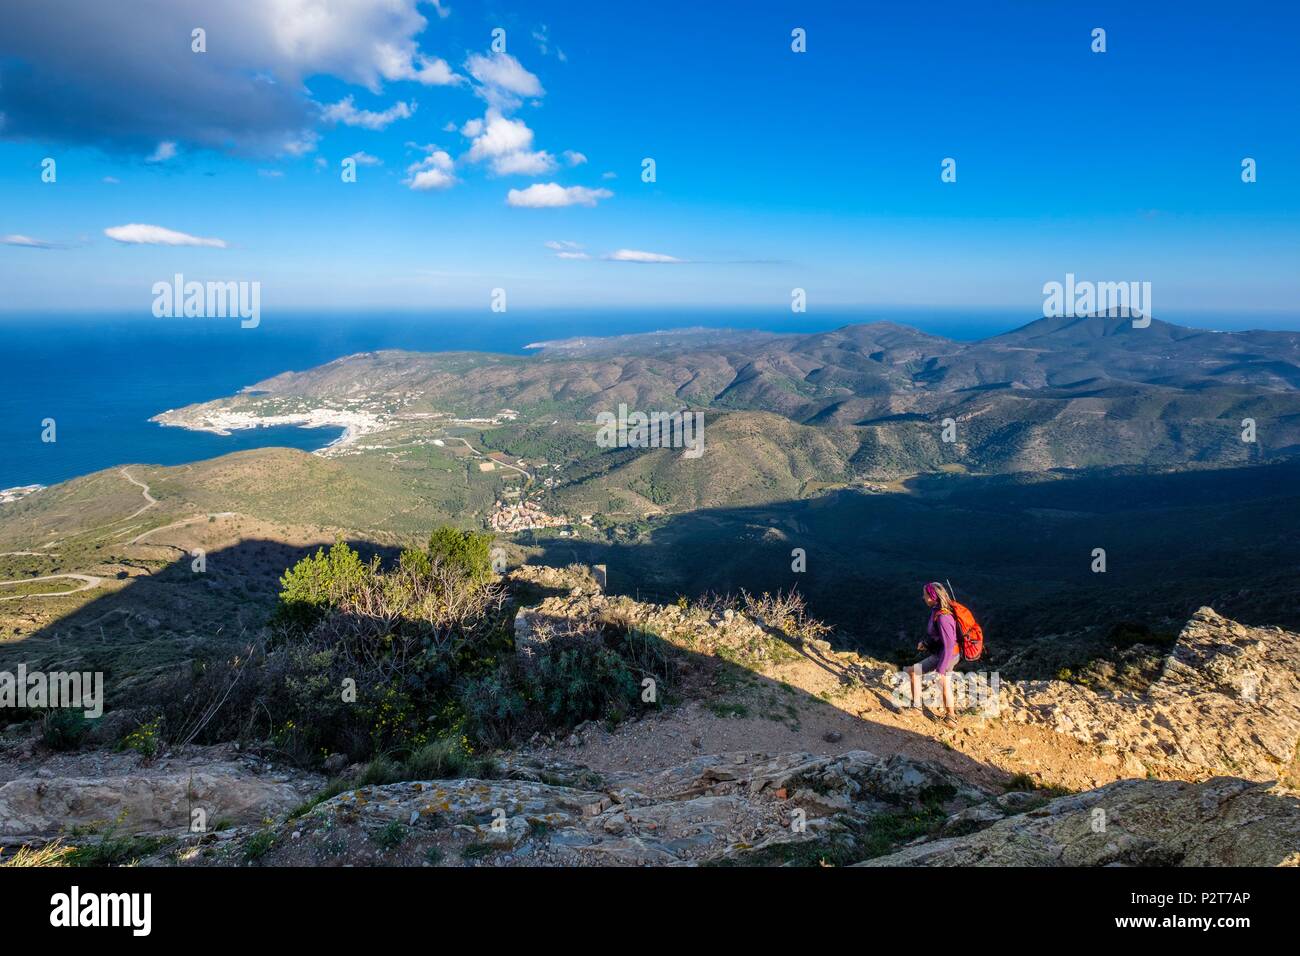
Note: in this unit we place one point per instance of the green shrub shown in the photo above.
(494, 705)
(259, 845)
(416, 562)
(468, 553)
(115, 850)
(416, 662)
(400, 641)
(380, 771)
(390, 836)
(64, 729)
(446, 759)
(316, 583)
(577, 679)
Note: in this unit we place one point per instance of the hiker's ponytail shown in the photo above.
(939, 594)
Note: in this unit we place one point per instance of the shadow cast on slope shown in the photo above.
(157, 621)
(1021, 554)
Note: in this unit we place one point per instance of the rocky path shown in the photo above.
(1228, 702)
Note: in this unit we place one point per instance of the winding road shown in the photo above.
(176, 524)
(150, 500)
(88, 581)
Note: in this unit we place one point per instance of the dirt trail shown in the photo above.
(985, 751)
(177, 524)
(88, 581)
(149, 499)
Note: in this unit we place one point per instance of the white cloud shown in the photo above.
(561, 244)
(362, 158)
(397, 64)
(271, 173)
(136, 233)
(111, 180)
(636, 255)
(165, 151)
(432, 172)
(301, 144)
(495, 135)
(523, 164)
(26, 241)
(573, 157)
(361, 41)
(427, 179)
(507, 143)
(502, 73)
(551, 195)
(609, 175)
(344, 112)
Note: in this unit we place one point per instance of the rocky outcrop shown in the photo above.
(714, 808)
(1221, 822)
(98, 791)
(1227, 700)
(770, 809)
(720, 632)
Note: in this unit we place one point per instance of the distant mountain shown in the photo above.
(1058, 392)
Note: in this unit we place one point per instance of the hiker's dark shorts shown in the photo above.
(931, 664)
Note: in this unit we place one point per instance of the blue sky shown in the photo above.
(775, 170)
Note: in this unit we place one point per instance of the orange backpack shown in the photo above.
(970, 636)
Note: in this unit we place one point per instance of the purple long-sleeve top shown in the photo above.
(942, 631)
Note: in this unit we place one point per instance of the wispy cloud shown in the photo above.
(636, 255)
(346, 113)
(553, 195)
(362, 158)
(564, 249)
(573, 157)
(137, 234)
(27, 242)
(503, 80)
(166, 150)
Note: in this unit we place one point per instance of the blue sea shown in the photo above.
(101, 377)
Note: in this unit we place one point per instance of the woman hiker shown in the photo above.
(941, 642)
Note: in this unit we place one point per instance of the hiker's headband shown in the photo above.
(931, 592)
